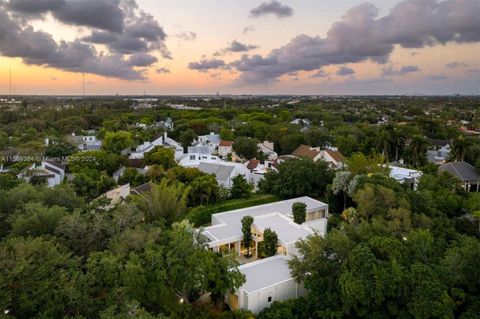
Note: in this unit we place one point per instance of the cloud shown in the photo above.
(129, 34)
(273, 7)
(142, 59)
(319, 74)
(360, 35)
(186, 36)
(235, 47)
(162, 70)
(206, 65)
(248, 29)
(344, 71)
(437, 77)
(390, 71)
(456, 65)
(409, 69)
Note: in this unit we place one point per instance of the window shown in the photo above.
(270, 299)
(192, 157)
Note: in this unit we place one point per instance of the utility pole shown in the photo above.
(10, 81)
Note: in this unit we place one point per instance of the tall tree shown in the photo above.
(460, 146)
(418, 150)
(247, 222)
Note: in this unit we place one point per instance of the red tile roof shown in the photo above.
(252, 164)
(225, 143)
(306, 151)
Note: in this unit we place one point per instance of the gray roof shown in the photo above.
(221, 172)
(265, 273)
(461, 170)
(288, 232)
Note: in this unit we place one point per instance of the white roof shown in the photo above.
(265, 273)
(227, 227)
(401, 173)
(286, 229)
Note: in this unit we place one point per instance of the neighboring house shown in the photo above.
(406, 176)
(332, 156)
(225, 148)
(465, 172)
(439, 156)
(201, 149)
(116, 196)
(258, 170)
(166, 124)
(212, 140)
(194, 159)
(267, 149)
(304, 123)
(164, 141)
(307, 151)
(269, 279)
(85, 142)
(53, 173)
(225, 172)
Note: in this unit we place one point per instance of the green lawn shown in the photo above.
(201, 215)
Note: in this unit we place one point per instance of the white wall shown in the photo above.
(257, 301)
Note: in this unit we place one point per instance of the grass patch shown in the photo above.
(202, 215)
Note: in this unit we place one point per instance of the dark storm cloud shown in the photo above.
(206, 65)
(360, 35)
(129, 34)
(344, 71)
(235, 47)
(35, 6)
(273, 7)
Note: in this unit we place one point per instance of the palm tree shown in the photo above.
(418, 148)
(384, 141)
(164, 201)
(460, 146)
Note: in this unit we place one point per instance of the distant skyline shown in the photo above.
(129, 47)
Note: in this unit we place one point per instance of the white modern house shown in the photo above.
(439, 156)
(211, 139)
(164, 141)
(53, 173)
(269, 279)
(194, 159)
(85, 142)
(406, 176)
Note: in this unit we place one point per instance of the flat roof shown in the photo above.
(227, 226)
(287, 231)
(265, 273)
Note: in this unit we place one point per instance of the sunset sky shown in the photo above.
(240, 46)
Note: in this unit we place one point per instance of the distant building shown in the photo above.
(333, 157)
(164, 141)
(225, 148)
(85, 142)
(267, 149)
(406, 176)
(224, 172)
(465, 172)
(49, 172)
(439, 156)
(116, 196)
